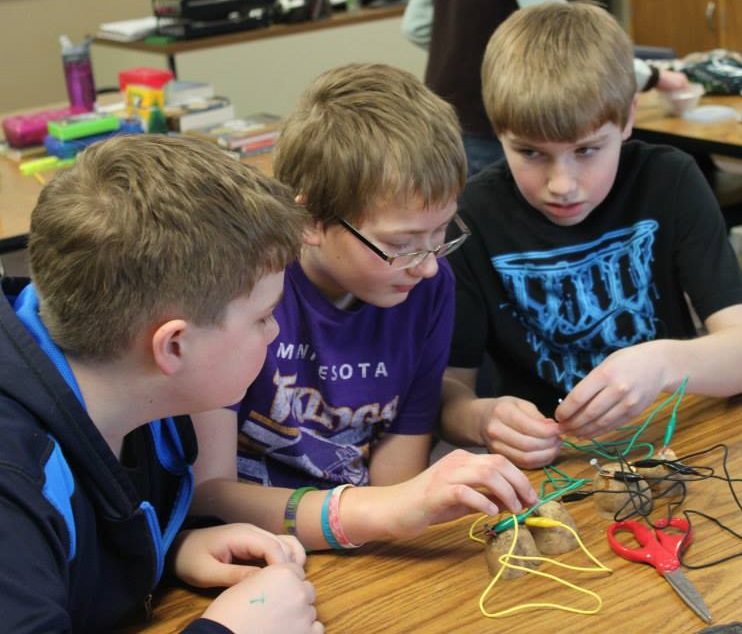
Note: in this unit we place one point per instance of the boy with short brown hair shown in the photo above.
(150, 257)
(584, 246)
(350, 391)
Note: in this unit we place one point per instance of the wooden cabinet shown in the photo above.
(687, 26)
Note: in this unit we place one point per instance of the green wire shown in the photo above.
(503, 525)
(631, 444)
(670, 429)
(564, 483)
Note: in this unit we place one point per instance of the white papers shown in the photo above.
(131, 30)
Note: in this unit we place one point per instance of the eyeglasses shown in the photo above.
(413, 258)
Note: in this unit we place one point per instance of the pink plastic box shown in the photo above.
(30, 129)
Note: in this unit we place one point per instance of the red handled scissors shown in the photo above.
(661, 549)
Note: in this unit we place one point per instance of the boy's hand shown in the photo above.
(274, 600)
(516, 429)
(456, 485)
(218, 556)
(671, 80)
(613, 393)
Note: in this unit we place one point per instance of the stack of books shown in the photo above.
(198, 113)
(249, 135)
(182, 91)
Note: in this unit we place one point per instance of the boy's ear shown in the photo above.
(167, 345)
(313, 232)
(629, 127)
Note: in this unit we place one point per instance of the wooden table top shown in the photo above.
(432, 584)
(18, 194)
(721, 137)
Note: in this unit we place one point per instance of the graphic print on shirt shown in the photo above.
(304, 432)
(580, 303)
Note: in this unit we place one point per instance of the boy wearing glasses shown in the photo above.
(350, 390)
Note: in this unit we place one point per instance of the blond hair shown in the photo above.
(556, 72)
(149, 227)
(364, 133)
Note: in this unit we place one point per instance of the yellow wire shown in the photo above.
(504, 561)
(476, 522)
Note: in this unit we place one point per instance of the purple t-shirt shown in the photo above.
(335, 380)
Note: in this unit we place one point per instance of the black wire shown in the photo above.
(679, 473)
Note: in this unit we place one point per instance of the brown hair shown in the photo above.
(364, 133)
(556, 72)
(146, 227)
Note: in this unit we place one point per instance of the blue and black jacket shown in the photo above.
(83, 536)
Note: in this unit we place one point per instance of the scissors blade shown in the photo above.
(687, 591)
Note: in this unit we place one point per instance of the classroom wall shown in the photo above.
(29, 43)
(267, 75)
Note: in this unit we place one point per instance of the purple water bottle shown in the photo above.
(78, 73)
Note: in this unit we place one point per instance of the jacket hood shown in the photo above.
(29, 380)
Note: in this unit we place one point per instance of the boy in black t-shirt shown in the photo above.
(583, 248)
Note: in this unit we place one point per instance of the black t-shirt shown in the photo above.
(549, 303)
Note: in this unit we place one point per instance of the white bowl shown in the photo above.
(678, 102)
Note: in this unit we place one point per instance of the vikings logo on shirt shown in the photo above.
(580, 303)
(307, 434)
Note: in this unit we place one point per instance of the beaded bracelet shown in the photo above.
(331, 529)
(289, 517)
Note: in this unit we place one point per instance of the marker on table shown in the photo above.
(29, 168)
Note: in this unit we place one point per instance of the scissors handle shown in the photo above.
(676, 542)
(654, 546)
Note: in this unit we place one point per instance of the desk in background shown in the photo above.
(432, 584)
(18, 195)
(721, 137)
(173, 49)
(265, 69)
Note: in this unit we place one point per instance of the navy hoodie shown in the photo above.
(83, 535)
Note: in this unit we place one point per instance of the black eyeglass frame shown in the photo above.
(443, 249)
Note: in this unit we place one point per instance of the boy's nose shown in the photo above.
(427, 268)
(561, 181)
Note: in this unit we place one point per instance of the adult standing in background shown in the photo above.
(455, 33)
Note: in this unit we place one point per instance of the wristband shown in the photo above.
(326, 529)
(654, 78)
(289, 517)
(334, 513)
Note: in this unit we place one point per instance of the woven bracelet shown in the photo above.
(289, 516)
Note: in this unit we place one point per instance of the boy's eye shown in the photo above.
(528, 153)
(398, 247)
(586, 151)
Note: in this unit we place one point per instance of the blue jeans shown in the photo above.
(480, 151)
